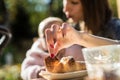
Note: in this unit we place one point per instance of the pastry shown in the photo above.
(65, 64)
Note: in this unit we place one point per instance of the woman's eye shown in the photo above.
(75, 3)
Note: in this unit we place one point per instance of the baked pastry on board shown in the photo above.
(64, 65)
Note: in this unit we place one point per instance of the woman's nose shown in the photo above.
(66, 7)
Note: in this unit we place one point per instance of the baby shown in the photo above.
(35, 56)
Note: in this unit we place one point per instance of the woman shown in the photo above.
(93, 16)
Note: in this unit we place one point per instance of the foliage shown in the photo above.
(113, 6)
(8, 72)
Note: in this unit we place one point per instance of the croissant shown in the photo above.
(65, 64)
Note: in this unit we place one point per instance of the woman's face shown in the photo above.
(73, 9)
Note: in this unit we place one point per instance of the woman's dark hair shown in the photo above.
(96, 14)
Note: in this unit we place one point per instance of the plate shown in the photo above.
(69, 75)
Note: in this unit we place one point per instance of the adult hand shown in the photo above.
(59, 37)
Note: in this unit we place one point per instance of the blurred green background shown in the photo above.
(22, 17)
